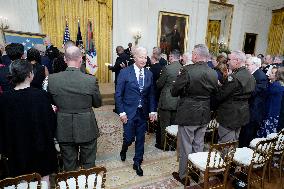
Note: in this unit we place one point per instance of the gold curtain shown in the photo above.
(52, 16)
(276, 33)
(213, 34)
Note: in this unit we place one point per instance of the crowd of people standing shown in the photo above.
(48, 96)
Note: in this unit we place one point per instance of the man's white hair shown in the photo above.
(254, 60)
(137, 50)
(202, 50)
(240, 55)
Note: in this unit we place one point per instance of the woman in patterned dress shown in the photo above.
(273, 102)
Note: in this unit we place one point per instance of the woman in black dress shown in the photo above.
(27, 125)
(40, 71)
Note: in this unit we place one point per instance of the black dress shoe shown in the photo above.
(123, 156)
(176, 176)
(138, 169)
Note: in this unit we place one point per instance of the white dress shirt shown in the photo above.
(137, 73)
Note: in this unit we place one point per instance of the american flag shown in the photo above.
(91, 55)
(66, 34)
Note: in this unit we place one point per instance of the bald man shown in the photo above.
(74, 94)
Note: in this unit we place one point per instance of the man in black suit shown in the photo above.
(45, 61)
(51, 51)
(128, 50)
(120, 63)
(256, 102)
(175, 39)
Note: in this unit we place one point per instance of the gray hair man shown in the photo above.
(194, 85)
(232, 97)
(256, 102)
(135, 104)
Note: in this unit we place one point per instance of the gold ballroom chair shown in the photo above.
(27, 181)
(85, 178)
(254, 159)
(171, 138)
(215, 162)
(212, 129)
(278, 151)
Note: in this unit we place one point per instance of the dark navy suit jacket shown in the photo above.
(257, 100)
(127, 93)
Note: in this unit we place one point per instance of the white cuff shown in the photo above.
(122, 114)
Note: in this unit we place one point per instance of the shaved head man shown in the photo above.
(75, 93)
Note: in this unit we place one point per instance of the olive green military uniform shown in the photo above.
(233, 110)
(167, 103)
(195, 85)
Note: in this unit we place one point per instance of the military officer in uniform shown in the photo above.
(167, 103)
(232, 97)
(195, 84)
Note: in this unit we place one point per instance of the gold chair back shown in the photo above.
(17, 180)
(280, 142)
(221, 155)
(263, 152)
(64, 176)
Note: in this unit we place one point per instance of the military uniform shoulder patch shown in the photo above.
(230, 78)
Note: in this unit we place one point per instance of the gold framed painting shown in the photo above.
(173, 32)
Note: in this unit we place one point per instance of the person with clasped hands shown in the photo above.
(135, 101)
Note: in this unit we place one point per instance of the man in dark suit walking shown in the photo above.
(135, 101)
(120, 62)
(256, 102)
(75, 93)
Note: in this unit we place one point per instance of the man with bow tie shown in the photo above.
(135, 101)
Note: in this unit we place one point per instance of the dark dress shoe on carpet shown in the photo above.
(176, 176)
(123, 156)
(139, 170)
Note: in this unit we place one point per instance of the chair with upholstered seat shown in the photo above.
(30, 181)
(170, 135)
(93, 178)
(278, 150)
(251, 159)
(215, 162)
(171, 138)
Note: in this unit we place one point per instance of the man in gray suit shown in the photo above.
(167, 103)
(195, 85)
(75, 93)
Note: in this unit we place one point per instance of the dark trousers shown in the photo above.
(167, 118)
(134, 130)
(70, 154)
(248, 133)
